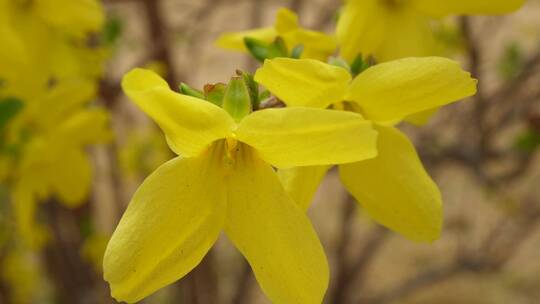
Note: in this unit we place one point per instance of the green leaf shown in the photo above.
(258, 49)
(511, 62)
(9, 107)
(187, 90)
(528, 141)
(112, 30)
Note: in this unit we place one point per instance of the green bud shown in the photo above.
(297, 51)
(258, 49)
(189, 91)
(215, 92)
(237, 99)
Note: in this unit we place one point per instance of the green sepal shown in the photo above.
(361, 64)
(215, 92)
(278, 48)
(252, 86)
(297, 51)
(237, 99)
(261, 50)
(187, 90)
(264, 95)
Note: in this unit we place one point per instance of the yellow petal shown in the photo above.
(396, 89)
(290, 137)
(71, 177)
(304, 82)
(395, 190)
(190, 124)
(25, 208)
(76, 16)
(59, 102)
(361, 27)
(173, 219)
(235, 40)
(89, 126)
(408, 33)
(301, 183)
(421, 118)
(286, 21)
(316, 45)
(468, 7)
(274, 234)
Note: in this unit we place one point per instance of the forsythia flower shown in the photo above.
(316, 45)
(223, 180)
(393, 188)
(52, 158)
(392, 29)
(46, 39)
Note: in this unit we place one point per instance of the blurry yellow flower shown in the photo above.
(393, 188)
(51, 134)
(74, 17)
(93, 249)
(53, 159)
(316, 45)
(46, 39)
(392, 29)
(223, 180)
(22, 273)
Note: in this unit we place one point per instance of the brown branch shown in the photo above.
(346, 219)
(241, 294)
(486, 258)
(158, 33)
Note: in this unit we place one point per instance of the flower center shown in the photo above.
(231, 147)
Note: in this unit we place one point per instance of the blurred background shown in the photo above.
(483, 154)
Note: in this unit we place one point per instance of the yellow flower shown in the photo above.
(316, 45)
(392, 29)
(223, 180)
(74, 17)
(45, 39)
(393, 188)
(22, 272)
(51, 134)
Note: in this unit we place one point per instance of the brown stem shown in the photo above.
(74, 278)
